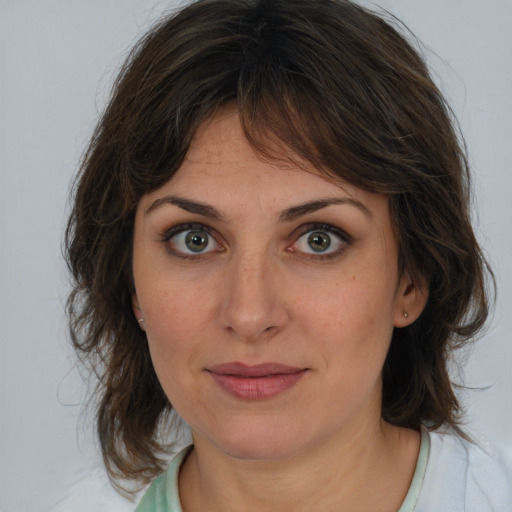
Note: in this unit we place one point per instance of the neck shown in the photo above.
(363, 469)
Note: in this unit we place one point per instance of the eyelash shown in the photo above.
(302, 231)
(183, 228)
(345, 240)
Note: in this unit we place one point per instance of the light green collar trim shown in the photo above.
(419, 474)
(163, 494)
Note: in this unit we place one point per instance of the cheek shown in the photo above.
(179, 318)
(174, 303)
(351, 303)
(173, 348)
(352, 323)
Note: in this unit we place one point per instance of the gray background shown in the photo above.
(57, 60)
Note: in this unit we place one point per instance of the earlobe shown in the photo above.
(137, 312)
(410, 303)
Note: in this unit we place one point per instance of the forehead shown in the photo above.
(217, 139)
(222, 169)
(220, 150)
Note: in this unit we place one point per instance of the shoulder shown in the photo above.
(162, 495)
(465, 477)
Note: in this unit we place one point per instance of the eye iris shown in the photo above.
(319, 242)
(196, 241)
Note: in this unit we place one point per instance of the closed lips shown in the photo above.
(258, 382)
(260, 370)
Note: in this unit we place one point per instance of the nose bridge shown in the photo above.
(252, 305)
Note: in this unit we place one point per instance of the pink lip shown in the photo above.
(255, 382)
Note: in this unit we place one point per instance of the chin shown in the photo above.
(260, 442)
(265, 449)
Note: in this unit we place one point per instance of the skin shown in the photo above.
(260, 293)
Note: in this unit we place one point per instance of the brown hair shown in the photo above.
(342, 89)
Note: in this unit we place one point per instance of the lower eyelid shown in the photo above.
(330, 249)
(341, 238)
(170, 245)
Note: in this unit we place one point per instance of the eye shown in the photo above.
(322, 241)
(318, 241)
(191, 240)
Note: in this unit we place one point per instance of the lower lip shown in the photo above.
(257, 388)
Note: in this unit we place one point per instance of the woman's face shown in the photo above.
(269, 295)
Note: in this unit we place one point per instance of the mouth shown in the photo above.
(257, 382)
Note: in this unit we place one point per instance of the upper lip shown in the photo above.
(258, 370)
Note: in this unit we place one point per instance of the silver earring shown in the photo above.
(141, 320)
(406, 315)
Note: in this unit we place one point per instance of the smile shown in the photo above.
(257, 382)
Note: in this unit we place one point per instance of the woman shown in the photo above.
(271, 237)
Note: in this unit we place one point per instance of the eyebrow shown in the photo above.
(287, 215)
(312, 206)
(188, 205)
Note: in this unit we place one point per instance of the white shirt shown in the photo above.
(465, 477)
(456, 476)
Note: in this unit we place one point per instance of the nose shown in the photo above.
(253, 307)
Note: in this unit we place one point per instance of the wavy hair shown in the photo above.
(328, 81)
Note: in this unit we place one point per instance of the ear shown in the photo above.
(411, 299)
(137, 311)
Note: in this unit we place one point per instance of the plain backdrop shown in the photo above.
(57, 61)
